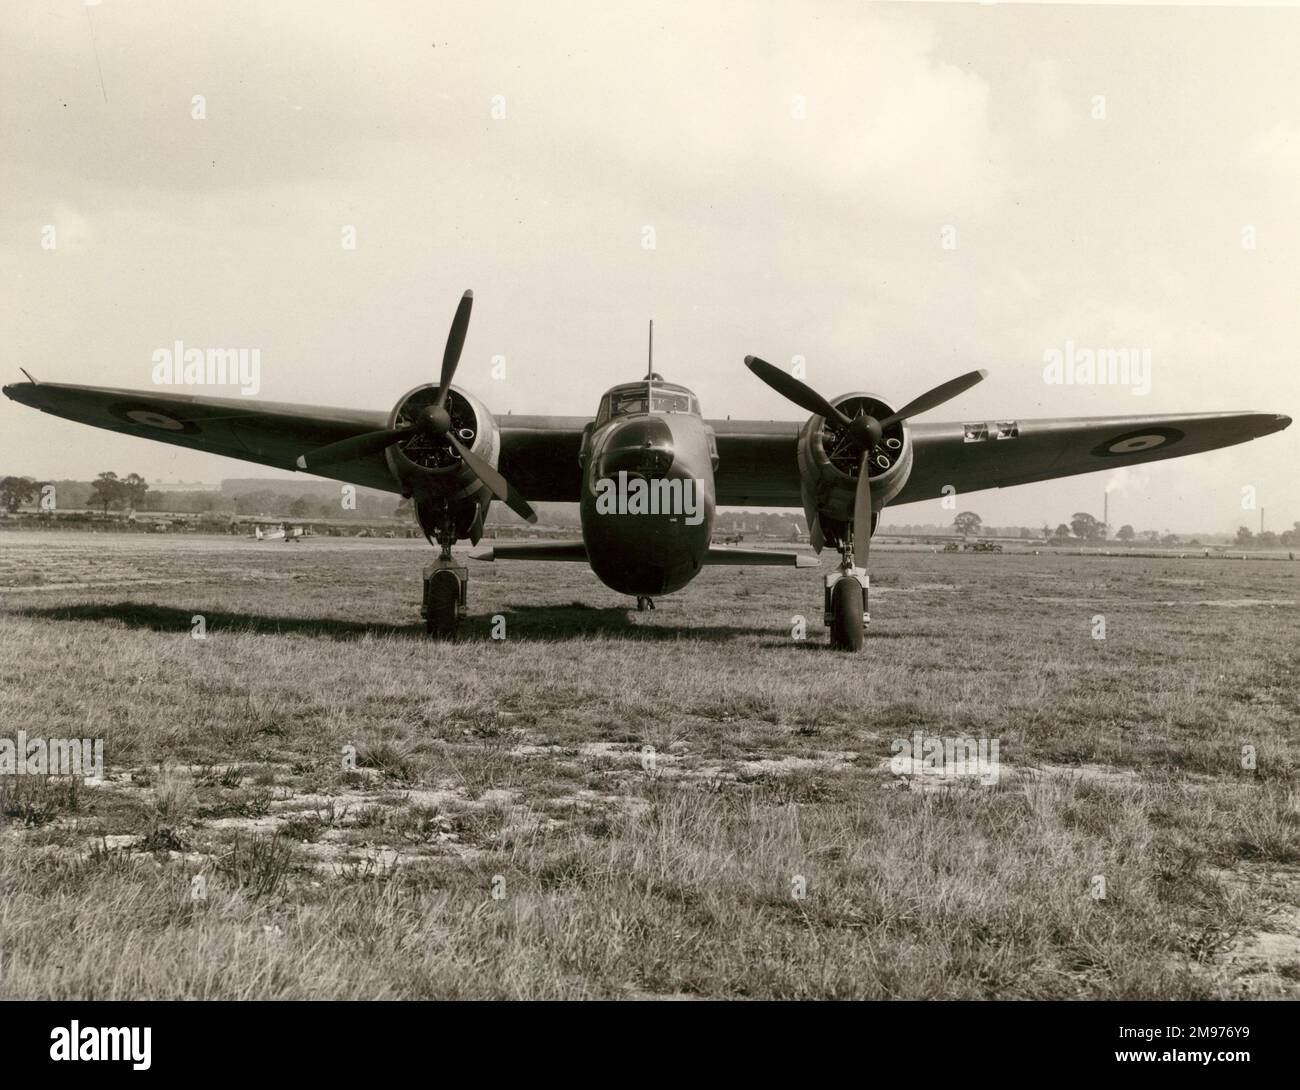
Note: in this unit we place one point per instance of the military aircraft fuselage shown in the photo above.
(647, 488)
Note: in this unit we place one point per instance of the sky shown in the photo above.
(895, 193)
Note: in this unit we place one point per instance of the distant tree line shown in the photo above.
(269, 502)
(109, 492)
(1267, 539)
(1084, 527)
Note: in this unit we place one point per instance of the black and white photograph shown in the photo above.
(576, 501)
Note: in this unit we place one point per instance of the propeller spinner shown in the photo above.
(433, 422)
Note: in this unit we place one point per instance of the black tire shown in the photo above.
(442, 607)
(846, 615)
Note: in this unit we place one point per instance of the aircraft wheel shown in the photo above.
(846, 615)
(442, 604)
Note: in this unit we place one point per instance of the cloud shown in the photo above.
(1276, 152)
(1041, 92)
(848, 104)
(73, 230)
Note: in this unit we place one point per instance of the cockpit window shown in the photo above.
(629, 403)
(632, 402)
(638, 400)
(664, 402)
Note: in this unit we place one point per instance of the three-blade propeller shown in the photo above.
(433, 422)
(862, 431)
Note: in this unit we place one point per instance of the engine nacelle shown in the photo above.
(430, 469)
(829, 466)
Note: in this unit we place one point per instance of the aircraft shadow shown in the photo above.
(538, 622)
(170, 619)
(579, 620)
(816, 640)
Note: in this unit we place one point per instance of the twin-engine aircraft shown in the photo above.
(649, 470)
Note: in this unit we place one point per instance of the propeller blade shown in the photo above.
(497, 484)
(351, 450)
(791, 388)
(862, 513)
(932, 399)
(455, 342)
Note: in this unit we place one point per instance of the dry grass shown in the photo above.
(517, 768)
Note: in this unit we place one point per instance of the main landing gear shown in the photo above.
(644, 602)
(446, 590)
(845, 610)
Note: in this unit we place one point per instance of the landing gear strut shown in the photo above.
(446, 589)
(845, 611)
(644, 602)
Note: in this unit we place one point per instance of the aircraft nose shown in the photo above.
(641, 447)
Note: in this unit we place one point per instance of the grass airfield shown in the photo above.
(506, 833)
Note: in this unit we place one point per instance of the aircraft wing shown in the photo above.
(530, 550)
(758, 463)
(757, 459)
(269, 433)
(576, 550)
(1000, 453)
(539, 456)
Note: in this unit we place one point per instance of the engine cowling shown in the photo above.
(429, 466)
(829, 467)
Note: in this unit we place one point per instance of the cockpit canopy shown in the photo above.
(651, 395)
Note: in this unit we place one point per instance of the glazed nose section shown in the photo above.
(642, 447)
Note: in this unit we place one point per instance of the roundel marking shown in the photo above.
(152, 418)
(1135, 442)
